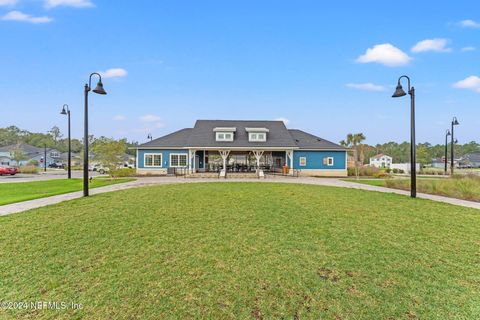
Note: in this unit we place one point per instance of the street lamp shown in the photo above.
(150, 137)
(446, 154)
(452, 146)
(66, 111)
(413, 169)
(98, 90)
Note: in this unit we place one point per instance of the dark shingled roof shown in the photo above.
(203, 136)
(176, 139)
(306, 140)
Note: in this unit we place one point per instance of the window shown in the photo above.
(328, 161)
(152, 159)
(178, 160)
(257, 136)
(224, 136)
(303, 161)
(54, 154)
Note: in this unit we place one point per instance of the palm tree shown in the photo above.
(354, 142)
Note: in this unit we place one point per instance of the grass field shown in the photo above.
(22, 191)
(244, 251)
(460, 187)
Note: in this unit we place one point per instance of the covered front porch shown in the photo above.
(225, 161)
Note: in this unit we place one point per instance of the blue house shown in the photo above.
(231, 146)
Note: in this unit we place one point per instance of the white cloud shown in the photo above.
(285, 120)
(119, 117)
(471, 83)
(465, 49)
(366, 86)
(150, 118)
(23, 17)
(436, 45)
(114, 73)
(8, 2)
(385, 54)
(68, 3)
(469, 24)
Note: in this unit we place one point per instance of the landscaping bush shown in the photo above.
(365, 171)
(33, 163)
(395, 170)
(28, 169)
(381, 174)
(388, 170)
(123, 172)
(460, 186)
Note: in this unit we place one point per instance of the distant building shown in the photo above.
(381, 161)
(438, 163)
(470, 160)
(31, 154)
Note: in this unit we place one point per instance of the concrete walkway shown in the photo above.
(149, 181)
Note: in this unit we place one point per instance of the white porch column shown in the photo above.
(224, 154)
(289, 160)
(258, 154)
(192, 160)
(189, 161)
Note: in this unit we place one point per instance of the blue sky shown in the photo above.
(326, 67)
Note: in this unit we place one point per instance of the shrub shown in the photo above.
(123, 172)
(388, 170)
(364, 171)
(395, 170)
(28, 169)
(33, 163)
(381, 174)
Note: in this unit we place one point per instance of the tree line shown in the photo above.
(400, 152)
(53, 138)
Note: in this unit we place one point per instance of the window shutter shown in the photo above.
(325, 161)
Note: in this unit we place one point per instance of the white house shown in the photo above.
(381, 161)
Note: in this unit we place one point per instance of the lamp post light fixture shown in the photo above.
(66, 111)
(399, 92)
(452, 145)
(98, 90)
(150, 137)
(445, 160)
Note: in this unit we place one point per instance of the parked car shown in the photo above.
(8, 170)
(100, 169)
(56, 165)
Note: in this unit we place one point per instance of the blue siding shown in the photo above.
(315, 159)
(165, 157)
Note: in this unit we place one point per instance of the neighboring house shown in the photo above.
(438, 163)
(381, 161)
(31, 153)
(241, 146)
(471, 160)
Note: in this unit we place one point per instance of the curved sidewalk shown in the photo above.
(147, 181)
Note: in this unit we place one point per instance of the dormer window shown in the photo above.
(224, 134)
(257, 134)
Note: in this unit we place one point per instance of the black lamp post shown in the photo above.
(413, 157)
(446, 154)
(452, 146)
(66, 111)
(150, 137)
(99, 90)
(45, 158)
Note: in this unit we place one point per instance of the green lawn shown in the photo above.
(244, 251)
(22, 191)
